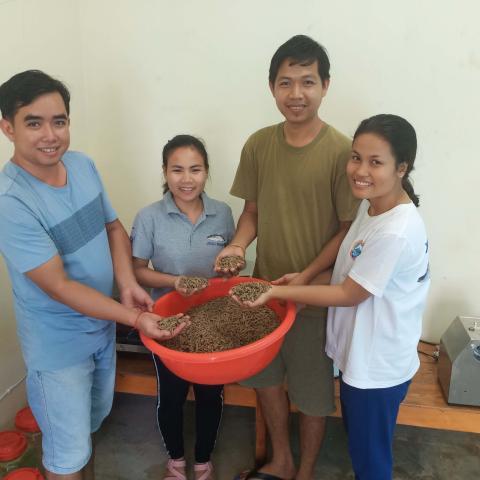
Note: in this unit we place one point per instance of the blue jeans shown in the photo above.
(370, 416)
(70, 404)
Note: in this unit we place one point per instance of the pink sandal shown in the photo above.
(172, 472)
(206, 468)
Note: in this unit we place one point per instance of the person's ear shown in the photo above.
(270, 84)
(325, 85)
(7, 128)
(402, 169)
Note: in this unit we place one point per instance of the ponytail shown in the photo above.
(408, 187)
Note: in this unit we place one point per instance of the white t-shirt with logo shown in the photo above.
(375, 343)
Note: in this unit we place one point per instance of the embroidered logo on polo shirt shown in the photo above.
(357, 249)
(216, 239)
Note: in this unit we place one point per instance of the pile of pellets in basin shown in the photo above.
(250, 291)
(192, 283)
(222, 324)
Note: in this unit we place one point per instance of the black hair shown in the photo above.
(304, 51)
(183, 141)
(402, 139)
(23, 88)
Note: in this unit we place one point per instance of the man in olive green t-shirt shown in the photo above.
(299, 207)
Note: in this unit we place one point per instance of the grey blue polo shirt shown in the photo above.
(164, 235)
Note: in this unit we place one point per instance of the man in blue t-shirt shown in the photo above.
(63, 244)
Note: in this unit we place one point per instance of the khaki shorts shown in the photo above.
(304, 366)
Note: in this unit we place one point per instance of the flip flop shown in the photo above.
(205, 468)
(256, 475)
(172, 472)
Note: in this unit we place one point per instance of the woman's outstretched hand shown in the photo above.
(261, 300)
(147, 323)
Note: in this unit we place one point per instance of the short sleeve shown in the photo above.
(246, 178)
(379, 259)
(142, 237)
(110, 214)
(346, 205)
(24, 242)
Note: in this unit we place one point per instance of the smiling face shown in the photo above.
(373, 173)
(40, 133)
(185, 174)
(298, 91)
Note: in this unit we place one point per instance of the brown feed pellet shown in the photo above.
(193, 283)
(226, 263)
(169, 323)
(222, 324)
(250, 291)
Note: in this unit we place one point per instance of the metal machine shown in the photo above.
(459, 361)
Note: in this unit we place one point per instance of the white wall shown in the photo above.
(42, 35)
(141, 71)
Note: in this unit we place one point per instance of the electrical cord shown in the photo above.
(11, 388)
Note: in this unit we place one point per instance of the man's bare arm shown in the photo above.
(325, 259)
(52, 278)
(245, 234)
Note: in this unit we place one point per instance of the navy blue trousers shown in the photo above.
(369, 416)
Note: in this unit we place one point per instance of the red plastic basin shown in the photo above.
(228, 366)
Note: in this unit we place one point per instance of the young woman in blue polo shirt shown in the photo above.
(181, 235)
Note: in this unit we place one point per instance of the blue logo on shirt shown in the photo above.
(357, 249)
(425, 275)
(216, 239)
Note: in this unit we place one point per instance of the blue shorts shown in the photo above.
(69, 405)
(370, 416)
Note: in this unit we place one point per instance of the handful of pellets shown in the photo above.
(250, 291)
(231, 261)
(192, 283)
(169, 323)
(222, 324)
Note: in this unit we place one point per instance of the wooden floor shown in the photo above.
(424, 406)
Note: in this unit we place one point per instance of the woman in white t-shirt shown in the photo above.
(377, 294)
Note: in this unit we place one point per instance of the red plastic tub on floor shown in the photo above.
(24, 474)
(228, 366)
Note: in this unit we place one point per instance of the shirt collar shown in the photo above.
(208, 205)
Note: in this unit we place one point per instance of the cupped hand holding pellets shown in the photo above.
(252, 294)
(161, 328)
(231, 264)
(187, 286)
(230, 260)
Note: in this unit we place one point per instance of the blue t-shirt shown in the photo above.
(164, 235)
(37, 222)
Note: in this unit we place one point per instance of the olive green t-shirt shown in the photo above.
(301, 193)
